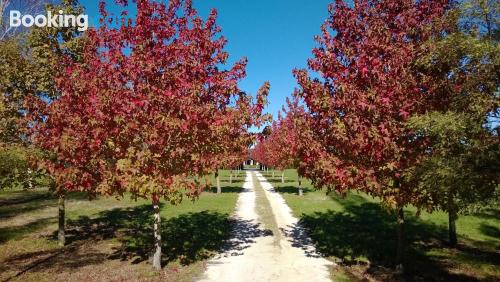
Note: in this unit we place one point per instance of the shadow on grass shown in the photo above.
(24, 196)
(24, 204)
(188, 237)
(17, 232)
(235, 180)
(270, 175)
(292, 190)
(365, 232)
(278, 181)
(490, 230)
(488, 214)
(25, 201)
(56, 260)
(225, 189)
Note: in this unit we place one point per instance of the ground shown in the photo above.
(360, 236)
(267, 244)
(109, 239)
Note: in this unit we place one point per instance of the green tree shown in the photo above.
(16, 82)
(462, 170)
(21, 52)
(48, 48)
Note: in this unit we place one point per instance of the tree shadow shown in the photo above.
(488, 214)
(299, 238)
(187, 238)
(22, 205)
(278, 180)
(365, 233)
(58, 260)
(292, 190)
(243, 235)
(16, 232)
(26, 201)
(224, 189)
(490, 230)
(235, 180)
(8, 211)
(24, 196)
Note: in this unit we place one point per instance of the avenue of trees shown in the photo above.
(278, 146)
(400, 101)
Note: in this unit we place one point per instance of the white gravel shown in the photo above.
(255, 254)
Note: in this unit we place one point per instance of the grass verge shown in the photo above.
(359, 234)
(110, 239)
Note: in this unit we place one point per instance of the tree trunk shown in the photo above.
(301, 192)
(400, 243)
(217, 179)
(273, 173)
(61, 228)
(157, 234)
(452, 228)
(30, 179)
(231, 178)
(208, 183)
(452, 217)
(283, 177)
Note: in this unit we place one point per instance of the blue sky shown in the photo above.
(275, 35)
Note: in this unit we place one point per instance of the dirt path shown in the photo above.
(267, 245)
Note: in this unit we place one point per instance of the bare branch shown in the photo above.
(24, 6)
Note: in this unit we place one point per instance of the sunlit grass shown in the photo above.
(28, 221)
(355, 229)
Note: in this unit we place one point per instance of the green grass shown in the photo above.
(251, 166)
(356, 231)
(113, 236)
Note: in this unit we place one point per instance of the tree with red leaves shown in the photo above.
(259, 152)
(234, 163)
(234, 143)
(148, 106)
(366, 90)
(280, 149)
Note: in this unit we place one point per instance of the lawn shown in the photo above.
(360, 236)
(110, 239)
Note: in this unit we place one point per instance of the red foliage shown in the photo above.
(367, 89)
(147, 105)
(280, 149)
